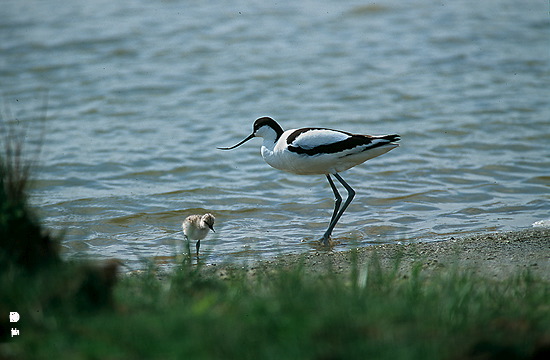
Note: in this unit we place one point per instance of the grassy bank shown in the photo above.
(285, 313)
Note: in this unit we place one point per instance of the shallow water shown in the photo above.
(140, 93)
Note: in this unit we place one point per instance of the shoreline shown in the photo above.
(494, 255)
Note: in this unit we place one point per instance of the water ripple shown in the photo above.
(139, 98)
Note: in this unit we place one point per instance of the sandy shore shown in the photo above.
(493, 255)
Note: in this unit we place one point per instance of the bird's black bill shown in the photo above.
(239, 144)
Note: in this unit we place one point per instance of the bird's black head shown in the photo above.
(267, 122)
(261, 127)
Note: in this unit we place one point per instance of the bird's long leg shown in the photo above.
(187, 245)
(198, 247)
(337, 199)
(338, 214)
(337, 202)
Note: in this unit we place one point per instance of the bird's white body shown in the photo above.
(277, 154)
(196, 227)
(310, 151)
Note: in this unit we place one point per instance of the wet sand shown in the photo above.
(495, 255)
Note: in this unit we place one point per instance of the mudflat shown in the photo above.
(496, 255)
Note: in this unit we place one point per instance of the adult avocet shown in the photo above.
(318, 151)
(195, 227)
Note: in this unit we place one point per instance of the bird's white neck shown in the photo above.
(269, 135)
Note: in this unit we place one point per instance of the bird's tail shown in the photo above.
(390, 138)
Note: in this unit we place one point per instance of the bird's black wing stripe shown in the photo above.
(350, 143)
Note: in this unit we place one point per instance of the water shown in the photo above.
(140, 93)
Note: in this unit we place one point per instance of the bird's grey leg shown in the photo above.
(198, 246)
(338, 214)
(337, 202)
(337, 198)
(187, 245)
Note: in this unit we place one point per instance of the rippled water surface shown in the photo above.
(140, 93)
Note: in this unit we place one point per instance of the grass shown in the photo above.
(75, 310)
(287, 313)
(23, 241)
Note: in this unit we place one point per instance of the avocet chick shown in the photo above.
(195, 227)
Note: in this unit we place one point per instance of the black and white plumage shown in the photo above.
(311, 151)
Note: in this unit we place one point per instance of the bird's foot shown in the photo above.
(327, 242)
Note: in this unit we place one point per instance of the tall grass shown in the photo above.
(24, 243)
